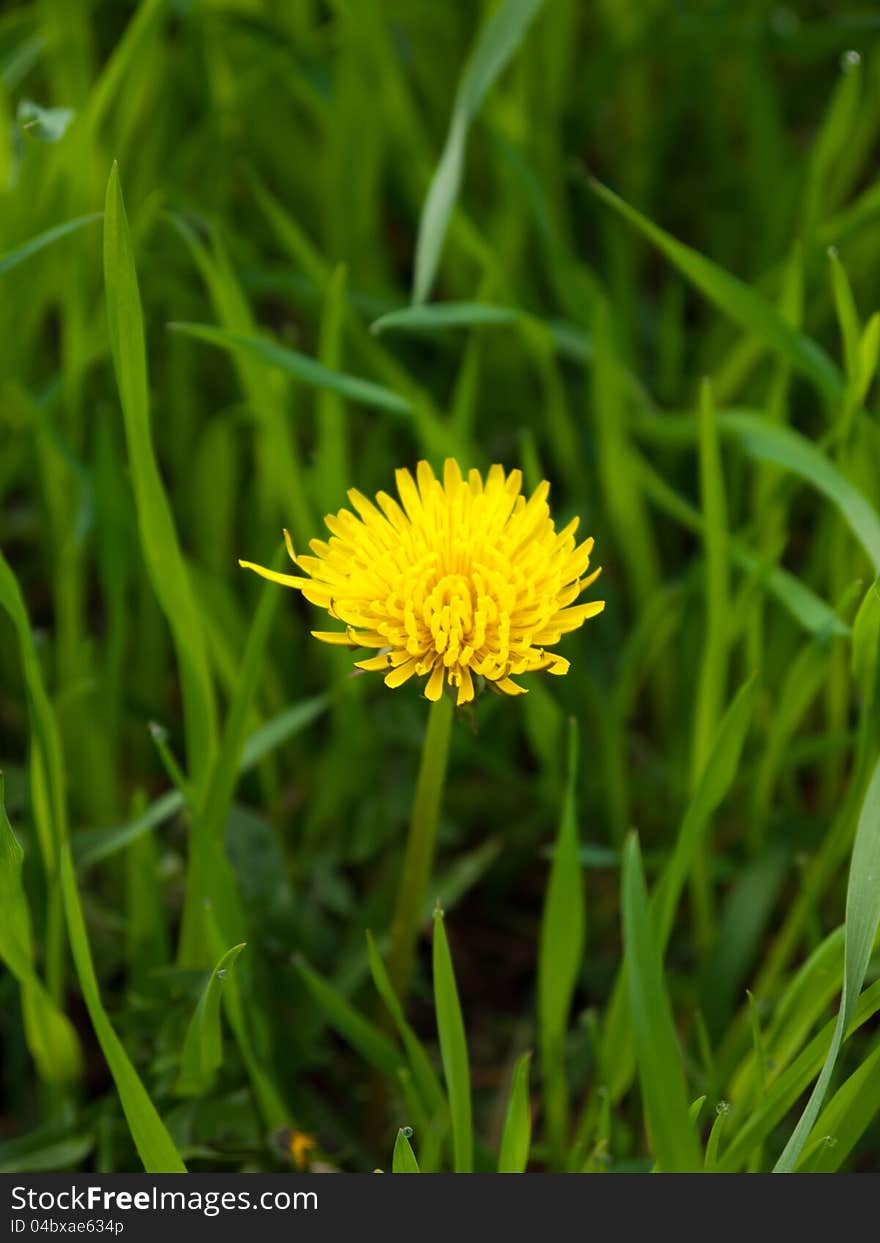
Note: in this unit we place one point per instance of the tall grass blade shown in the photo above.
(496, 43)
(453, 1050)
(862, 918)
(664, 1092)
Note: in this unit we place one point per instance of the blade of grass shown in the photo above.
(853, 1108)
(453, 1049)
(516, 1138)
(372, 1044)
(862, 919)
(424, 1075)
(741, 302)
(202, 1053)
(155, 522)
(496, 43)
(404, 1160)
(785, 1090)
(618, 1053)
(51, 1037)
(773, 443)
(12, 258)
(304, 368)
(420, 844)
(93, 845)
(664, 1091)
(560, 955)
(153, 1142)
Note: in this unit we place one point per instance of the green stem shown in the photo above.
(419, 858)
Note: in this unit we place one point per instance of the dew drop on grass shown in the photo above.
(406, 1132)
(849, 60)
(222, 973)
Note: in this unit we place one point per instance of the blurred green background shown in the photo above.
(275, 160)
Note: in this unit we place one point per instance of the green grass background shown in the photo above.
(631, 248)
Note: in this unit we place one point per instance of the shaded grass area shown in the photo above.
(252, 254)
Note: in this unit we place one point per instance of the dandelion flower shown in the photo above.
(463, 578)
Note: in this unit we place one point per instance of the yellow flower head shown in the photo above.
(462, 577)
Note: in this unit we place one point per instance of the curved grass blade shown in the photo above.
(664, 1091)
(92, 845)
(516, 1138)
(424, 1075)
(808, 609)
(51, 1037)
(155, 522)
(453, 1049)
(846, 1117)
(304, 368)
(372, 1044)
(743, 304)
(774, 443)
(12, 258)
(496, 43)
(155, 1146)
(861, 922)
(785, 1090)
(202, 1053)
(435, 316)
(716, 780)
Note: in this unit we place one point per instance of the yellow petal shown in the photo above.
(434, 689)
(465, 687)
(338, 638)
(286, 580)
(402, 673)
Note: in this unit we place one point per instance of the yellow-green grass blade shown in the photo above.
(741, 302)
(403, 1160)
(12, 258)
(51, 1037)
(496, 43)
(453, 1049)
(664, 1090)
(862, 918)
(202, 1053)
(158, 534)
(516, 1137)
(151, 1138)
(560, 953)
